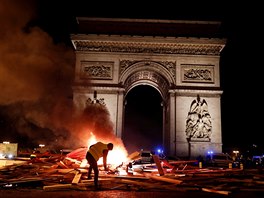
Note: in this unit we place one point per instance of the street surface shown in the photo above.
(28, 193)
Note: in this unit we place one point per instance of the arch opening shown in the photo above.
(143, 120)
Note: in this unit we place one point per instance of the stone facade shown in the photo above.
(185, 71)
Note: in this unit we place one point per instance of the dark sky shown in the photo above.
(53, 21)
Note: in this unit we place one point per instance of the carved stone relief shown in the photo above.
(97, 69)
(125, 47)
(197, 73)
(148, 75)
(169, 65)
(198, 123)
(95, 100)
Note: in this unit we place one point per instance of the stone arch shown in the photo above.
(152, 74)
(128, 60)
(147, 72)
(146, 77)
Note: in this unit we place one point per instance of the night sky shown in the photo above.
(42, 29)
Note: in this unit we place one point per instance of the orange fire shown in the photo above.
(115, 157)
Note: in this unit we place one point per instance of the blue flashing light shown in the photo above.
(210, 152)
(159, 150)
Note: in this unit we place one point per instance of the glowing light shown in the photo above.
(115, 157)
(236, 152)
(83, 163)
(5, 142)
(41, 145)
(10, 156)
(92, 140)
(159, 151)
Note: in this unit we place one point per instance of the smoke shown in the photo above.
(30, 63)
(95, 119)
(35, 76)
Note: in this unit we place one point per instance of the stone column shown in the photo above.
(120, 112)
(172, 127)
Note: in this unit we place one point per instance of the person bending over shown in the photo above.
(95, 152)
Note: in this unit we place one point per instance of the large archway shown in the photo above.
(143, 119)
(183, 71)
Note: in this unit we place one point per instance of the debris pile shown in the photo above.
(62, 173)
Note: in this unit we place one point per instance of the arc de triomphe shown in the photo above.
(184, 70)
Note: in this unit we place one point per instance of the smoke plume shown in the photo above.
(36, 78)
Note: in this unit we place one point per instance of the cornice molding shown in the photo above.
(189, 92)
(156, 45)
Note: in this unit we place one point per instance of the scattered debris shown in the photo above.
(62, 173)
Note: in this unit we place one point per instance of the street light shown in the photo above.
(236, 153)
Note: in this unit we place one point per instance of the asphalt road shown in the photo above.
(28, 193)
(235, 183)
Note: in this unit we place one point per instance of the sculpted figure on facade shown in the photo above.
(198, 123)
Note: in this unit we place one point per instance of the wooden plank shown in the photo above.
(62, 164)
(209, 174)
(67, 170)
(157, 161)
(50, 171)
(57, 187)
(182, 162)
(259, 182)
(223, 192)
(126, 177)
(77, 178)
(99, 179)
(164, 179)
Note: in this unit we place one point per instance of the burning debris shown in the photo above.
(59, 172)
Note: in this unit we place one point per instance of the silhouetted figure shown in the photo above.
(95, 152)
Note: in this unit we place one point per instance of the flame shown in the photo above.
(92, 140)
(116, 156)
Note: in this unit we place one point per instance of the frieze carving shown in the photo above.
(97, 69)
(169, 65)
(197, 73)
(198, 122)
(156, 48)
(124, 64)
(147, 75)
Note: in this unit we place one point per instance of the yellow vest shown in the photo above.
(97, 150)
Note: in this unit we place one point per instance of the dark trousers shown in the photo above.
(92, 166)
